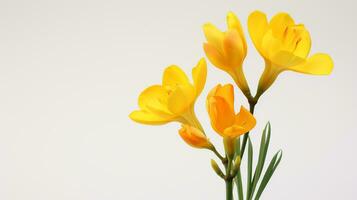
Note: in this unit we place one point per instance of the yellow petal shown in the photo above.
(284, 59)
(268, 77)
(181, 98)
(270, 46)
(221, 114)
(194, 137)
(154, 99)
(234, 23)
(215, 57)
(145, 117)
(234, 49)
(297, 40)
(245, 119)
(257, 26)
(173, 75)
(213, 35)
(318, 64)
(304, 45)
(279, 23)
(199, 74)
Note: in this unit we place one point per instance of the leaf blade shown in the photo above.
(250, 166)
(239, 184)
(269, 173)
(264, 145)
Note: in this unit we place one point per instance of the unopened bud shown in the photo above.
(216, 168)
(236, 165)
(237, 162)
(194, 137)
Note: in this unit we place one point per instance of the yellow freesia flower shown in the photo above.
(220, 106)
(194, 137)
(174, 99)
(227, 50)
(284, 45)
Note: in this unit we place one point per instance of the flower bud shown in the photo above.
(236, 166)
(216, 168)
(194, 137)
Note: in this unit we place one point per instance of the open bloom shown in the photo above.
(284, 45)
(227, 50)
(174, 99)
(220, 106)
(194, 137)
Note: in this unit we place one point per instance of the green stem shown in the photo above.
(245, 138)
(229, 179)
(229, 189)
(214, 150)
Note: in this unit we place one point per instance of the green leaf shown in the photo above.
(264, 145)
(250, 166)
(269, 173)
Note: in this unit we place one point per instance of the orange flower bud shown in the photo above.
(194, 137)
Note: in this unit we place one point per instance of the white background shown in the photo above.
(71, 71)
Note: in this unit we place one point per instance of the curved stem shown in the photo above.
(252, 104)
(240, 80)
(214, 150)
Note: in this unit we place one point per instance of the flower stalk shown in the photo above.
(229, 189)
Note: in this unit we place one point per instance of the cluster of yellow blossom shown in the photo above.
(283, 44)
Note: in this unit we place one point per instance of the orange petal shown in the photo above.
(227, 93)
(245, 119)
(234, 131)
(221, 114)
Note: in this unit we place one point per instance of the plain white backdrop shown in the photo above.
(71, 71)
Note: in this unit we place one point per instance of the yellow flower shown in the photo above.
(284, 45)
(227, 50)
(194, 137)
(220, 106)
(174, 99)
